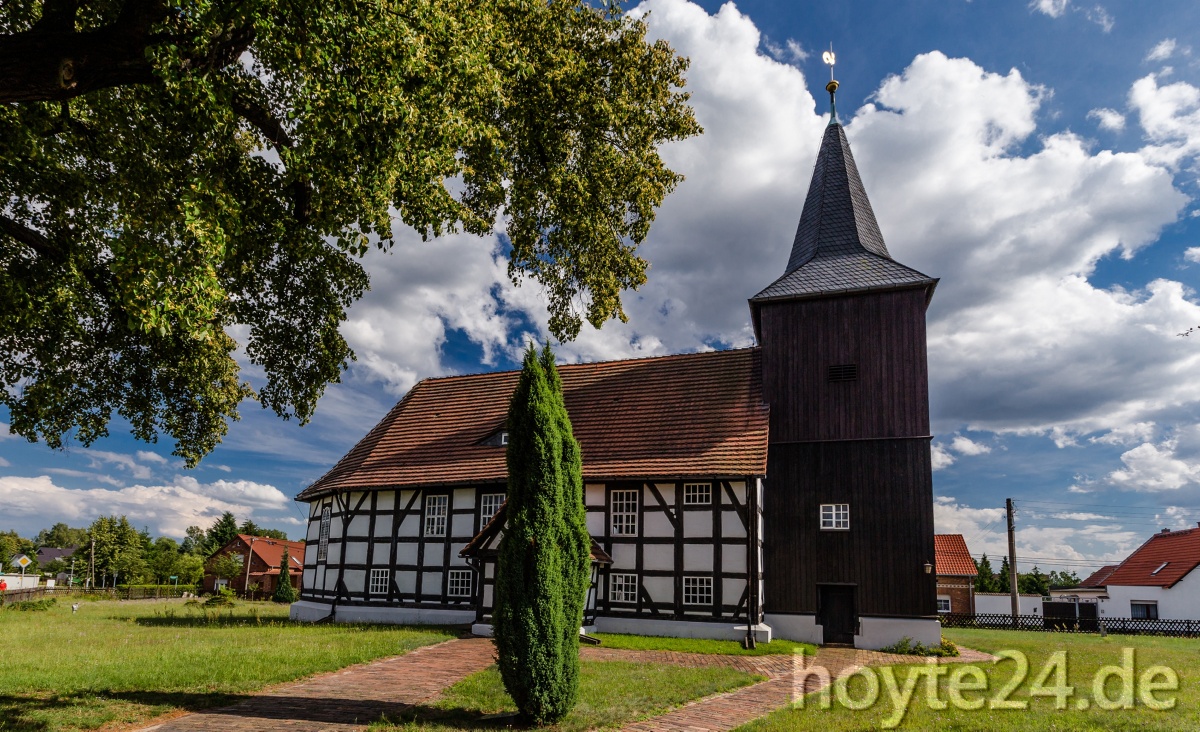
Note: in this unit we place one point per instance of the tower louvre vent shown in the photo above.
(843, 372)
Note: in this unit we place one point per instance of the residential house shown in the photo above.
(825, 421)
(263, 568)
(1158, 581)
(956, 573)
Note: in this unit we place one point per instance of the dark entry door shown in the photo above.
(838, 613)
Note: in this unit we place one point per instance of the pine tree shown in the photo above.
(284, 592)
(986, 580)
(541, 575)
(1003, 577)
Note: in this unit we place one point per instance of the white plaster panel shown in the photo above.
(411, 525)
(697, 557)
(659, 556)
(335, 527)
(732, 590)
(739, 490)
(624, 556)
(697, 524)
(385, 500)
(802, 628)
(657, 524)
(406, 581)
(456, 560)
(733, 559)
(593, 494)
(731, 525)
(360, 525)
(355, 579)
(406, 553)
(464, 498)
(462, 526)
(487, 596)
(875, 633)
(595, 524)
(308, 578)
(433, 554)
(314, 529)
(660, 589)
(330, 578)
(383, 525)
(356, 552)
(431, 583)
(667, 490)
(489, 570)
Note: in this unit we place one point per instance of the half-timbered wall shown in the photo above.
(396, 548)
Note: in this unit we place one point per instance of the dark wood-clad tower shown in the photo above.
(849, 491)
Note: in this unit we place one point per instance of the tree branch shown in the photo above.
(30, 238)
(262, 119)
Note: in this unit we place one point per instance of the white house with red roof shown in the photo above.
(1159, 581)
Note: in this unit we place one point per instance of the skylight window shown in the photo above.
(1161, 567)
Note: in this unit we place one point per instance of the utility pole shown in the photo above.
(1012, 561)
(92, 567)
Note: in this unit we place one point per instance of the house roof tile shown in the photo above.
(1162, 561)
(952, 556)
(270, 551)
(1097, 578)
(699, 414)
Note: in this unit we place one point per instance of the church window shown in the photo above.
(835, 516)
(489, 505)
(435, 515)
(323, 537)
(625, 513)
(623, 588)
(379, 581)
(460, 583)
(843, 372)
(697, 494)
(697, 590)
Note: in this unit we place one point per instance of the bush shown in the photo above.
(221, 597)
(906, 647)
(284, 592)
(33, 605)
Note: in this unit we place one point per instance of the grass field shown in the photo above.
(699, 645)
(1083, 657)
(611, 693)
(125, 662)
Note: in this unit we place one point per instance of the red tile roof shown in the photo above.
(1178, 550)
(270, 551)
(952, 556)
(698, 414)
(1097, 578)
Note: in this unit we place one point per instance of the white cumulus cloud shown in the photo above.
(1150, 467)
(1053, 8)
(966, 446)
(1162, 50)
(1108, 119)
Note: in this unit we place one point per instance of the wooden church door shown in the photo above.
(838, 613)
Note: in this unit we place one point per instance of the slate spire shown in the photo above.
(838, 246)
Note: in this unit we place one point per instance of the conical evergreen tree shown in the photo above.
(986, 580)
(284, 592)
(541, 575)
(1002, 577)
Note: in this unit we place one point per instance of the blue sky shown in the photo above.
(1040, 158)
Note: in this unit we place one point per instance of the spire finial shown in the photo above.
(832, 86)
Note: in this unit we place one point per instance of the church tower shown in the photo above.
(848, 508)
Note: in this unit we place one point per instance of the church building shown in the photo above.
(782, 490)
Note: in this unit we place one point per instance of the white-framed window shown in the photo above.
(503, 438)
(697, 494)
(490, 503)
(625, 513)
(323, 537)
(379, 581)
(835, 516)
(697, 590)
(436, 508)
(1143, 610)
(622, 588)
(943, 604)
(459, 584)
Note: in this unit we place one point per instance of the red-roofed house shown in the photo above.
(956, 574)
(825, 421)
(1158, 581)
(266, 557)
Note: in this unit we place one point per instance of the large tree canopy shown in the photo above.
(176, 171)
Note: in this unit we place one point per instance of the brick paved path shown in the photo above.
(348, 699)
(354, 697)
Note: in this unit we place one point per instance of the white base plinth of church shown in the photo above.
(309, 611)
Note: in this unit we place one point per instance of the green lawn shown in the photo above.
(1084, 655)
(125, 662)
(693, 645)
(611, 693)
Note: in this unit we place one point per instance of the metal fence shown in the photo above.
(1117, 626)
(111, 593)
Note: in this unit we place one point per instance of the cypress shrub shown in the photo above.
(284, 592)
(542, 568)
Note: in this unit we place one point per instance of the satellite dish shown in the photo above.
(828, 57)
